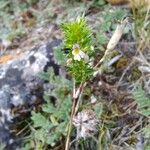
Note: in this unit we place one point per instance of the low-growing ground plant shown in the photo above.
(86, 109)
(12, 15)
(73, 115)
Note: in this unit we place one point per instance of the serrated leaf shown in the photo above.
(142, 100)
(40, 121)
(62, 128)
(40, 135)
(49, 109)
(59, 56)
(51, 139)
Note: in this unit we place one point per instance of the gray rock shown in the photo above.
(20, 83)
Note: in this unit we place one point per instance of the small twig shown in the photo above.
(22, 130)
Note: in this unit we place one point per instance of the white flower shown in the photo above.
(77, 53)
(86, 123)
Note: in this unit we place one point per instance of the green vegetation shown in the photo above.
(11, 13)
(57, 114)
(50, 124)
(94, 106)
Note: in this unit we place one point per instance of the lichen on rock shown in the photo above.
(20, 83)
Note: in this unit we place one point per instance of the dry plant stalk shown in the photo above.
(117, 35)
(139, 3)
(114, 40)
(75, 99)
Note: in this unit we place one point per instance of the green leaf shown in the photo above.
(26, 147)
(62, 128)
(77, 32)
(51, 123)
(51, 139)
(3, 4)
(147, 148)
(143, 101)
(49, 109)
(81, 71)
(59, 56)
(102, 39)
(40, 121)
(40, 135)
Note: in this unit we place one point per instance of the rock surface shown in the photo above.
(20, 84)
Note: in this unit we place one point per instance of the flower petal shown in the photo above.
(76, 46)
(77, 57)
(76, 52)
(82, 54)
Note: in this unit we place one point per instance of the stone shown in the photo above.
(20, 83)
